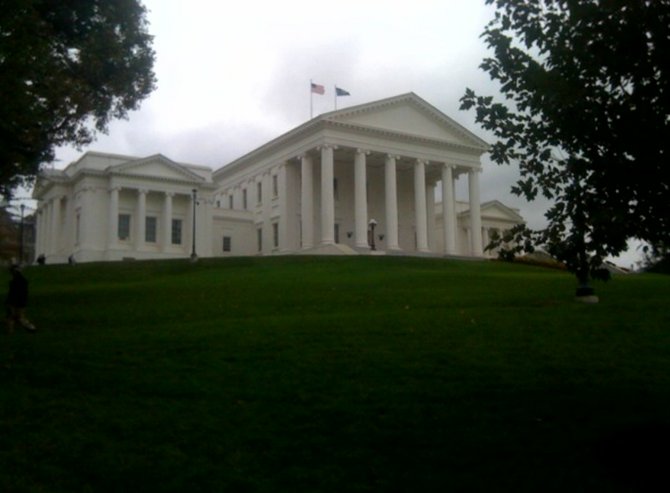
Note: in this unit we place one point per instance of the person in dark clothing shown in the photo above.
(17, 300)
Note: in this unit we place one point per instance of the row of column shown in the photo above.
(390, 199)
(49, 227)
(140, 219)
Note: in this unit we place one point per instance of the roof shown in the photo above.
(339, 119)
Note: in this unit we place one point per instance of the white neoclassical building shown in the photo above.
(374, 178)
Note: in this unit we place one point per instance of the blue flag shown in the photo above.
(341, 92)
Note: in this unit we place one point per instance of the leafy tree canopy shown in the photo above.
(586, 116)
(67, 68)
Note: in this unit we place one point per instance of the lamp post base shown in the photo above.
(586, 294)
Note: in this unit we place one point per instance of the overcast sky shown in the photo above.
(233, 75)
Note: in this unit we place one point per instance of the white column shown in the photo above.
(448, 209)
(475, 213)
(141, 217)
(327, 196)
(113, 220)
(307, 201)
(420, 205)
(55, 224)
(38, 232)
(283, 197)
(430, 214)
(391, 197)
(167, 221)
(48, 240)
(361, 199)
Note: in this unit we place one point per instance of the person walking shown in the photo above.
(17, 300)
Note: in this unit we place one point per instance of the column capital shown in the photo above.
(394, 157)
(169, 194)
(114, 189)
(475, 170)
(326, 146)
(421, 161)
(363, 151)
(449, 166)
(142, 191)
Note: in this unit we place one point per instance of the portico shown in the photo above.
(399, 208)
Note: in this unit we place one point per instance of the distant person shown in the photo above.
(41, 259)
(17, 300)
(71, 260)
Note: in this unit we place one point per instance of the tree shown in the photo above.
(586, 117)
(67, 68)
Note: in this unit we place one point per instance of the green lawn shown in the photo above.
(303, 374)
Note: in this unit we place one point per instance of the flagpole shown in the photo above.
(335, 96)
(311, 100)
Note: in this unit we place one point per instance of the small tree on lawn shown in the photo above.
(586, 118)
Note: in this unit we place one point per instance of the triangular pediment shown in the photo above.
(411, 115)
(496, 210)
(157, 166)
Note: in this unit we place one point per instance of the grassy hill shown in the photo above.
(306, 374)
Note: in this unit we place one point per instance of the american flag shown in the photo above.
(317, 88)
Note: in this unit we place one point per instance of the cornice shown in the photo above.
(405, 137)
(159, 158)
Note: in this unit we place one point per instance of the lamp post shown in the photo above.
(194, 256)
(372, 224)
(23, 208)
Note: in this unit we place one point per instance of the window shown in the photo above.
(259, 235)
(176, 231)
(124, 227)
(230, 201)
(335, 191)
(337, 233)
(150, 229)
(218, 204)
(244, 199)
(227, 244)
(275, 235)
(275, 186)
(259, 192)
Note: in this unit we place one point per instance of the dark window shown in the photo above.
(259, 234)
(227, 244)
(124, 226)
(176, 231)
(150, 230)
(275, 234)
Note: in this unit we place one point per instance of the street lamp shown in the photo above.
(372, 224)
(194, 256)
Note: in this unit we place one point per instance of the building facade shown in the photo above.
(359, 180)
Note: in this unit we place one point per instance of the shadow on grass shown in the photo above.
(637, 455)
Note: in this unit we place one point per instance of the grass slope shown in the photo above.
(334, 374)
